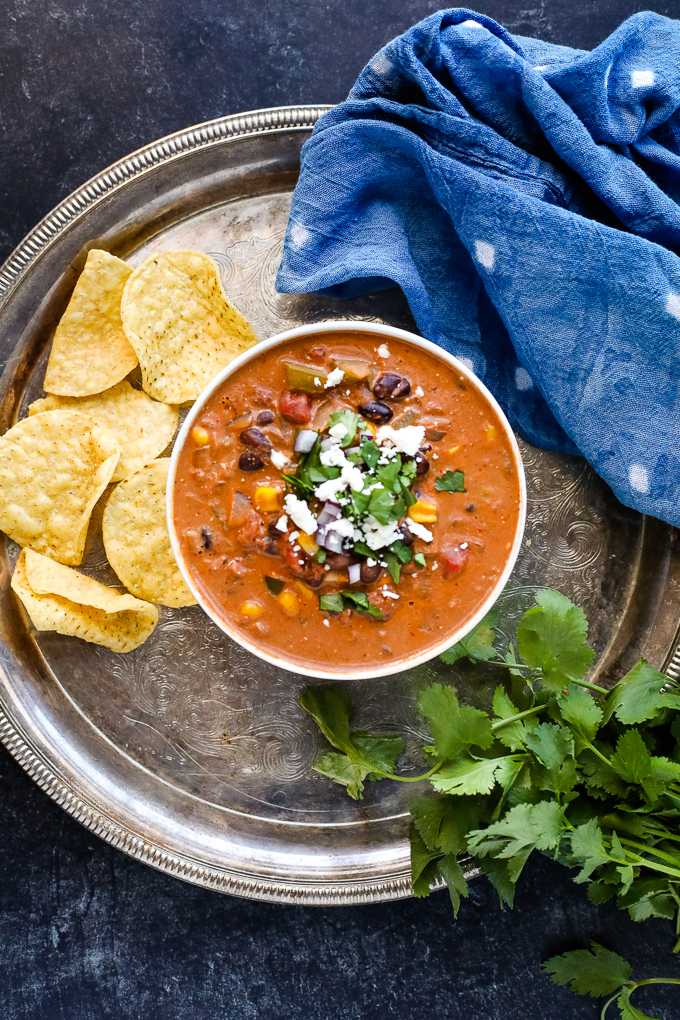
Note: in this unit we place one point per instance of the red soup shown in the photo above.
(345, 501)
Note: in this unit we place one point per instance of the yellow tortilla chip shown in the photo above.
(54, 467)
(62, 599)
(90, 351)
(136, 538)
(142, 426)
(179, 321)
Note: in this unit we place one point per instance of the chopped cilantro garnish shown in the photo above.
(451, 481)
(363, 550)
(381, 505)
(350, 420)
(321, 556)
(408, 471)
(387, 474)
(402, 551)
(331, 603)
(370, 451)
(393, 565)
(274, 584)
(419, 558)
(300, 486)
(343, 599)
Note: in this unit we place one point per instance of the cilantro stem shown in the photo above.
(590, 687)
(409, 779)
(651, 850)
(506, 665)
(514, 718)
(608, 1003)
(658, 981)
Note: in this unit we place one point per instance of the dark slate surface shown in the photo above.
(87, 933)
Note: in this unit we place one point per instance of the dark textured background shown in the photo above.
(85, 932)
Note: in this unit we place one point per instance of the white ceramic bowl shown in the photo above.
(376, 331)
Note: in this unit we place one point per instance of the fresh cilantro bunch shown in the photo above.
(598, 972)
(585, 775)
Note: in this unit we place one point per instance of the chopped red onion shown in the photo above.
(328, 444)
(329, 540)
(330, 512)
(354, 573)
(304, 440)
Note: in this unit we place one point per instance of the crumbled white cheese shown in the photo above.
(353, 476)
(282, 523)
(420, 392)
(343, 526)
(334, 378)
(301, 562)
(435, 456)
(407, 440)
(383, 351)
(326, 623)
(434, 566)
(420, 531)
(379, 535)
(463, 545)
(299, 513)
(350, 476)
(335, 457)
(294, 535)
(317, 381)
(338, 431)
(370, 562)
(389, 594)
(279, 460)
(330, 489)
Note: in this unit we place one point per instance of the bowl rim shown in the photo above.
(377, 329)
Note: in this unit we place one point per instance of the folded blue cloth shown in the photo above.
(525, 197)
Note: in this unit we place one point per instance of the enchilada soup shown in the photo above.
(346, 503)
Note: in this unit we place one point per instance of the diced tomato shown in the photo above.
(296, 407)
(250, 531)
(292, 558)
(237, 567)
(453, 559)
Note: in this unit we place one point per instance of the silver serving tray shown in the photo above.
(189, 753)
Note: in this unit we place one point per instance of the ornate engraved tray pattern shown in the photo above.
(189, 753)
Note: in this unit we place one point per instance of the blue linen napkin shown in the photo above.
(525, 197)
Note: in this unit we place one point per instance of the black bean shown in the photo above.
(206, 535)
(337, 561)
(270, 547)
(376, 412)
(406, 536)
(434, 434)
(392, 386)
(471, 507)
(273, 531)
(422, 465)
(250, 461)
(264, 418)
(253, 437)
(314, 574)
(370, 574)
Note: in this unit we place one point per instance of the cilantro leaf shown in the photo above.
(381, 505)
(514, 734)
(424, 870)
(628, 1011)
(583, 714)
(363, 550)
(452, 873)
(393, 566)
(370, 451)
(453, 727)
(451, 481)
(387, 474)
(588, 849)
(637, 697)
(444, 823)
(467, 776)
(408, 471)
(343, 770)
(632, 760)
(552, 637)
(525, 828)
(478, 644)
(551, 744)
(419, 558)
(596, 972)
(402, 551)
(331, 708)
(359, 599)
(331, 603)
(350, 420)
(359, 503)
(377, 750)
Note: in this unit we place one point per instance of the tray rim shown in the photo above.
(37, 764)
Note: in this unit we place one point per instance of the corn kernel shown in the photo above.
(251, 610)
(289, 602)
(490, 434)
(307, 543)
(268, 498)
(422, 512)
(200, 436)
(370, 427)
(304, 590)
(454, 449)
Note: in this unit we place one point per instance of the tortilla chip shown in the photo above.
(54, 467)
(179, 321)
(136, 538)
(62, 599)
(90, 351)
(142, 426)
